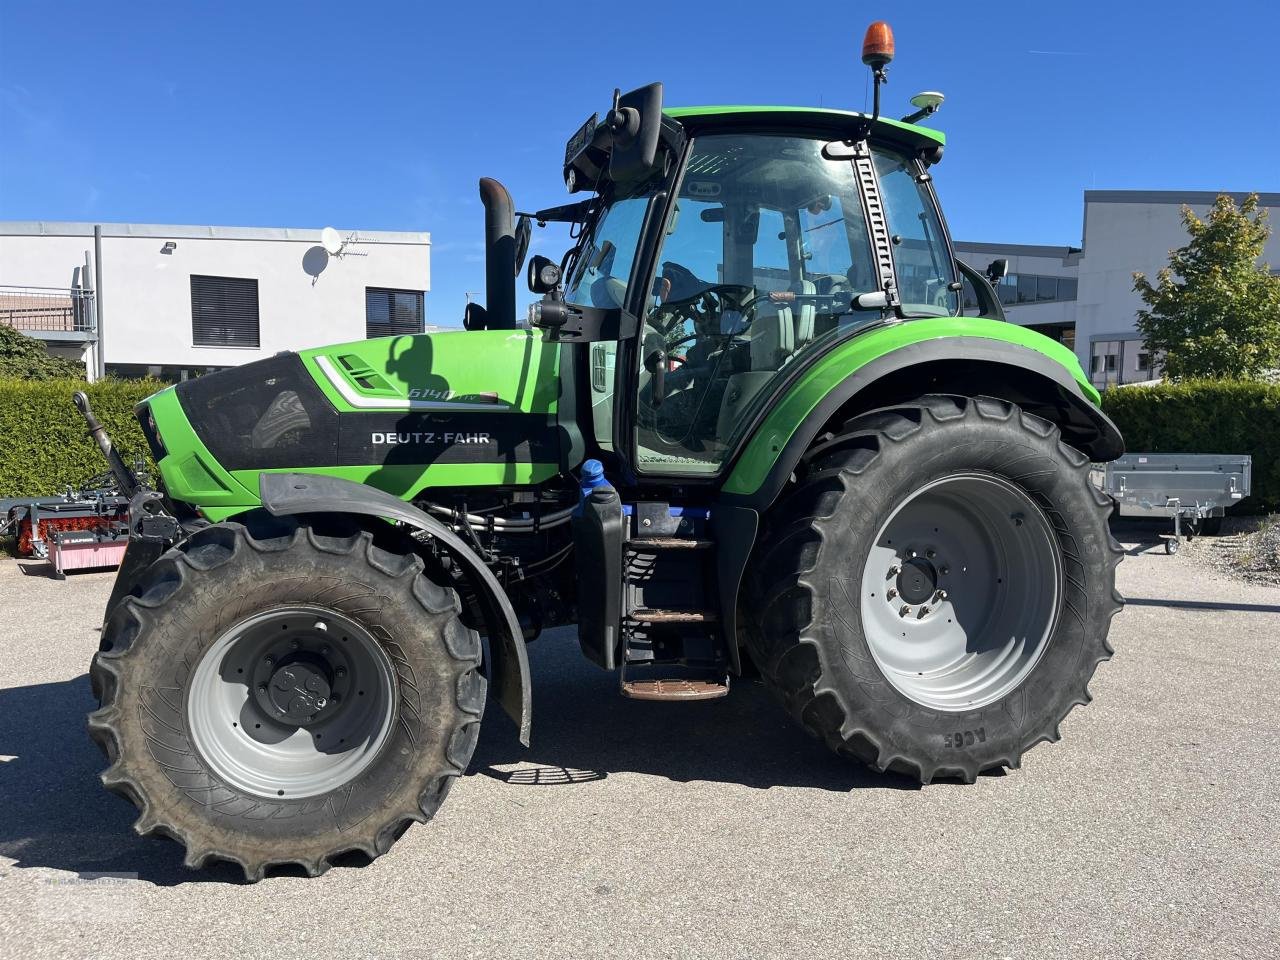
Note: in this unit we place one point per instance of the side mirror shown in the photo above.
(997, 270)
(524, 230)
(544, 274)
(636, 122)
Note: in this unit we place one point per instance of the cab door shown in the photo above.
(764, 250)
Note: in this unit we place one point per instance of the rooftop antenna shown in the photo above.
(336, 245)
(927, 104)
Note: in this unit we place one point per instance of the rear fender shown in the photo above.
(966, 366)
(288, 494)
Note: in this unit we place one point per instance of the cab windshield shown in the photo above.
(602, 268)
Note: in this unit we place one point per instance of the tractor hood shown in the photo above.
(400, 413)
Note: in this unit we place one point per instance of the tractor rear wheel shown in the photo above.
(937, 589)
(282, 700)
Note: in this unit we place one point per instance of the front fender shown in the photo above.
(287, 494)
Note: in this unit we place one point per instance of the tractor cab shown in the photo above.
(760, 252)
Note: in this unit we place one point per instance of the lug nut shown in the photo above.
(262, 688)
(895, 570)
(945, 571)
(904, 611)
(294, 644)
(931, 554)
(341, 672)
(922, 613)
(940, 595)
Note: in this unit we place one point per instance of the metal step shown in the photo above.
(669, 543)
(643, 615)
(675, 689)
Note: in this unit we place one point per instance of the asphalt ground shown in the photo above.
(708, 829)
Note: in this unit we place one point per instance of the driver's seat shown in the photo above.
(773, 337)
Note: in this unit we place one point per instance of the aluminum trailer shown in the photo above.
(1192, 489)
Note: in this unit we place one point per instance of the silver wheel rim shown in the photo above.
(961, 592)
(292, 702)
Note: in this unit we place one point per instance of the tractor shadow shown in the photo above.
(55, 813)
(585, 730)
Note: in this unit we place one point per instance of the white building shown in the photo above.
(1083, 296)
(176, 299)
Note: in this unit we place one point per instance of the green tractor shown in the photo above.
(762, 422)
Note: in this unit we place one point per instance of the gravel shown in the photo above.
(1247, 549)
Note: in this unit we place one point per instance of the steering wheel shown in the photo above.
(708, 304)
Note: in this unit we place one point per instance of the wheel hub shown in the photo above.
(917, 581)
(300, 690)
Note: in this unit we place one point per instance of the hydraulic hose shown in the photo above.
(126, 480)
(507, 524)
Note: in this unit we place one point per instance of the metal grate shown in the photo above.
(390, 313)
(224, 312)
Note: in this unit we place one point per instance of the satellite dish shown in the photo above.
(930, 100)
(331, 241)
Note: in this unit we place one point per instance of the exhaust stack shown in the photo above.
(499, 255)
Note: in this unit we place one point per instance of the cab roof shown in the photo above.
(836, 120)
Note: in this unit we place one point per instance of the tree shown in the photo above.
(24, 358)
(1214, 311)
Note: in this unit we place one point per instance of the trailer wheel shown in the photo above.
(937, 589)
(1171, 546)
(285, 699)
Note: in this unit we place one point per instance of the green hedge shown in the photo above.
(1206, 416)
(44, 445)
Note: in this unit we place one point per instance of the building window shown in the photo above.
(224, 312)
(1143, 361)
(136, 371)
(1026, 288)
(1034, 288)
(389, 313)
(1112, 360)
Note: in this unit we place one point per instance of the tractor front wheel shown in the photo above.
(285, 699)
(938, 587)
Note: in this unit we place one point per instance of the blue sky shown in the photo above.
(381, 116)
